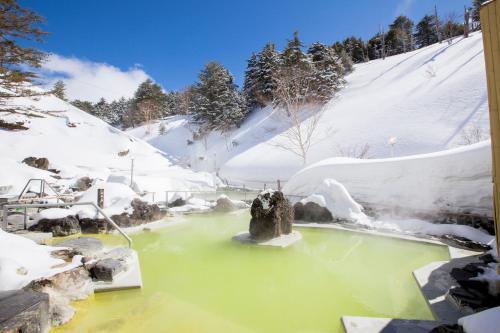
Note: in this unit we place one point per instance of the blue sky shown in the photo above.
(172, 40)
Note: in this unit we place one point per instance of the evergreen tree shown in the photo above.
(425, 34)
(102, 110)
(118, 109)
(267, 65)
(59, 90)
(218, 105)
(153, 93)
(16, 24)
(375, 47)
(355, 48)
(292, 55)
(476, 10)
(83, 105)
(327, 75)
(399, 38)
(451, 28)
(251, 88)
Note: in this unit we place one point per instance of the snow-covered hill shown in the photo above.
(78, 144)
(429, 100)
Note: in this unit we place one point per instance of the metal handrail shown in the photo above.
(64, 204)
(43, 182)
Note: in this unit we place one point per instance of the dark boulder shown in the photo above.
(24, 311)
(93, 226)
(40, 163)
(144, 212)
(177, 203)
(312, 212)
(65, 226)
(123, 220)
(83, 184)
(272, 216)
(454, 328)
(107, 269)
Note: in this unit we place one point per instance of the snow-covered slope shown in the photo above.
(78, 144)
(428, 100)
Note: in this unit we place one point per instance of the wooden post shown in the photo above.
(490, 19)
(279, 185)
(100, 198)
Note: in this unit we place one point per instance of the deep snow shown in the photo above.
(92, 148)
(428, 100)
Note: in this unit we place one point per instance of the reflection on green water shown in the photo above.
(197, 280)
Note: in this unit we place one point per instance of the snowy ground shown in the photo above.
(430, 100)
(78, 144)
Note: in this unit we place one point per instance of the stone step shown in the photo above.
(24, 311)
(129, 279)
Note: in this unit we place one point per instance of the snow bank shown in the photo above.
(455, 180)
(483, 322)
(333, 196)
(22, 260)
(417, 226)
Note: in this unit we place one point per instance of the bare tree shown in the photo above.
(359, 152)
(473, 135)
(467, 13)
(293, 87)
(148, 111)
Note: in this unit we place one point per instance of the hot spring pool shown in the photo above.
(196, 279)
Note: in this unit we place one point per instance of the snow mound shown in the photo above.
(455, 180)
(22, 260)
(333, 196)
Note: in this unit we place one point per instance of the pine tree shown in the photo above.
(375, 47)
(16, 24)
(355, 48)
(83, 105)
(251, 88)
(102, 111)
(152, 92)
(59, 90)
(476, 11)
(292, 55)
(400, 36)
(327, 75)
(218, 105)
(425, 34)
(118, 109)
(267, 64)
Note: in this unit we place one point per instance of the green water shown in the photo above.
(197, 280)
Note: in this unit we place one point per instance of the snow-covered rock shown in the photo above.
(333, 196)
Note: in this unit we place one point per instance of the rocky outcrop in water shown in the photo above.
(272, 216)
(225, 205)
(312, 212)
(61, 227)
